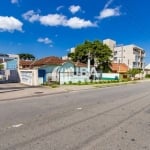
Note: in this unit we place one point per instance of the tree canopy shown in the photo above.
(99, 53)
(1, 66)
(26, 56)
(134, 71)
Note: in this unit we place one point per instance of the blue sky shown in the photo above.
(48, 28)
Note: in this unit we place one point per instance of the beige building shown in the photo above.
(131, 55)
(110, 43)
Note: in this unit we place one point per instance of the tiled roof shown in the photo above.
(119, 67)
(79, 64)
(52, 60)
(25, 62)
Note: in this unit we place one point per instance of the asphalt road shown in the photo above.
(112, 118)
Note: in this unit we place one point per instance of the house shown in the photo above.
(25, 64)
(52, 69)
(46, 66)
(119, 68)
(55, 69)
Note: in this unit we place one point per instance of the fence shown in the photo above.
(66, 77)
(8, 76)
(33, 78)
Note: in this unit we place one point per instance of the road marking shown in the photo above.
(17, 125)
(79, 108)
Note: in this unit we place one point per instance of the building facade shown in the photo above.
(10, 61)
(131, 55)
(10, 69)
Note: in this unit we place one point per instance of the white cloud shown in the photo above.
(73, 9)
(58, 20)
(10, 24)
(31, 16)
(109, 12)
(44, 40)
(108, 3)
(14, 1)
(53, 20)
(59, 7)
(76, 22)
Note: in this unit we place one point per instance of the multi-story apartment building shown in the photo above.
(131, 55)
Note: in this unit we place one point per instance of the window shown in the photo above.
(115, 52)
(115, 58)
(134, 64)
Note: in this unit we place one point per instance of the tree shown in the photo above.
(1, 66)
(134, 71)
(99, 53)
(26, 56)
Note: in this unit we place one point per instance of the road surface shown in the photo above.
(112, 118)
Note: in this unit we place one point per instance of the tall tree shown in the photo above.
(1, 66)
(26, 56)
(98, 52)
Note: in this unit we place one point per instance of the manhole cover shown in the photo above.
(38, 92)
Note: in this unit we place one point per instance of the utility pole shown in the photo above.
(89, 63)
(119, 66)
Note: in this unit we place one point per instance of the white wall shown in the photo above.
(29, 77)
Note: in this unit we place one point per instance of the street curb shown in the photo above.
(66, 90)
(37, 95)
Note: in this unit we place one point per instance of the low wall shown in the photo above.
(29, 77)
(73, 79)
(86, 78)
(110, 76)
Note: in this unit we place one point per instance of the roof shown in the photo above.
(25, 62)
(147, 67)
(79, 64)
(119, 67)
(51, 60)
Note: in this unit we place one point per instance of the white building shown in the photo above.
(131, 55)
(110, 43)
(11, 59)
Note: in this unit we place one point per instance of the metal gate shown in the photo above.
(9, 76)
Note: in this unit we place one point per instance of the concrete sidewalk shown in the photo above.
(16, 91)
(13, 91)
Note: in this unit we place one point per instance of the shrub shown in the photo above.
(86, 83)
(147, 76)
(79, 82)
(54, 85)
(70, 82)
